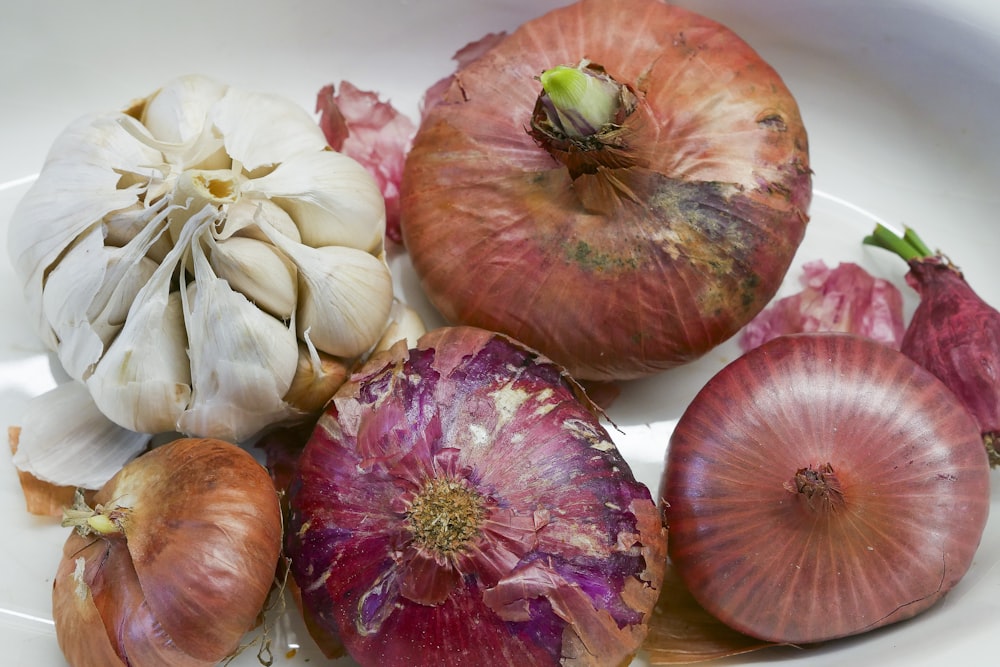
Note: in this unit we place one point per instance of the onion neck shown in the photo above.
(445, 516)
(818, 488)
(580, 118)
(98, 520)
(579, 101)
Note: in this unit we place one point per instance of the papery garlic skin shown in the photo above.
(71, 442)
(172, 255)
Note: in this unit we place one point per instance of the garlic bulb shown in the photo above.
(183, 256)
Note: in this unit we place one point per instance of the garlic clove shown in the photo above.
(263, 130)
(317, 378)
(176, 116)
(67, 441)
(245, 216)
(120, 227)
(70, 289)
(106, 141)
(404, 324)
(176, 113)
(143, 381)
(345, 295)
(78, 169)
(258, 271)
(87, 297)
(332, 198)
(242, 359)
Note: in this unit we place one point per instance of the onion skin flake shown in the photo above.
(845, 298)
(630, 251)
(460, 502)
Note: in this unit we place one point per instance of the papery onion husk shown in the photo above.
(681, 632)
(823, 485)
(459, 503)
(630, 250)
(40, 497)
(845, 298)
(189, 540)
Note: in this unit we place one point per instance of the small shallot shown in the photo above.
(954, 333)
(173, 563)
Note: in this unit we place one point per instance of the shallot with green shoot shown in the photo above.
(954, 333)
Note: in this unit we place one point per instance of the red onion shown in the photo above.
(459, 503)
(624, 230)
(954, 333)
(823, 485)
(174, 563)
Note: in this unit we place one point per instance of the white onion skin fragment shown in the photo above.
(909, 469)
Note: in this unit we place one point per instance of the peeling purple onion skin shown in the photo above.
(845, 298)
(956, 336)
(460, 503)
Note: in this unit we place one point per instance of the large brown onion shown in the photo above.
(633, 249)
(187, 542)
(823, 485)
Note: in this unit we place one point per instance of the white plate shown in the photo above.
(899, 99)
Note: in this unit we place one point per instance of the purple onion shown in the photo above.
(954, 333)
(461, 503)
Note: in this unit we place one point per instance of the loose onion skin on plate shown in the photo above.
(459, 503)
(823, 485)
(174, 563)
(625, 252)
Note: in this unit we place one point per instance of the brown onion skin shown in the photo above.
(907, 455)
(188, 576)
(611, 285)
